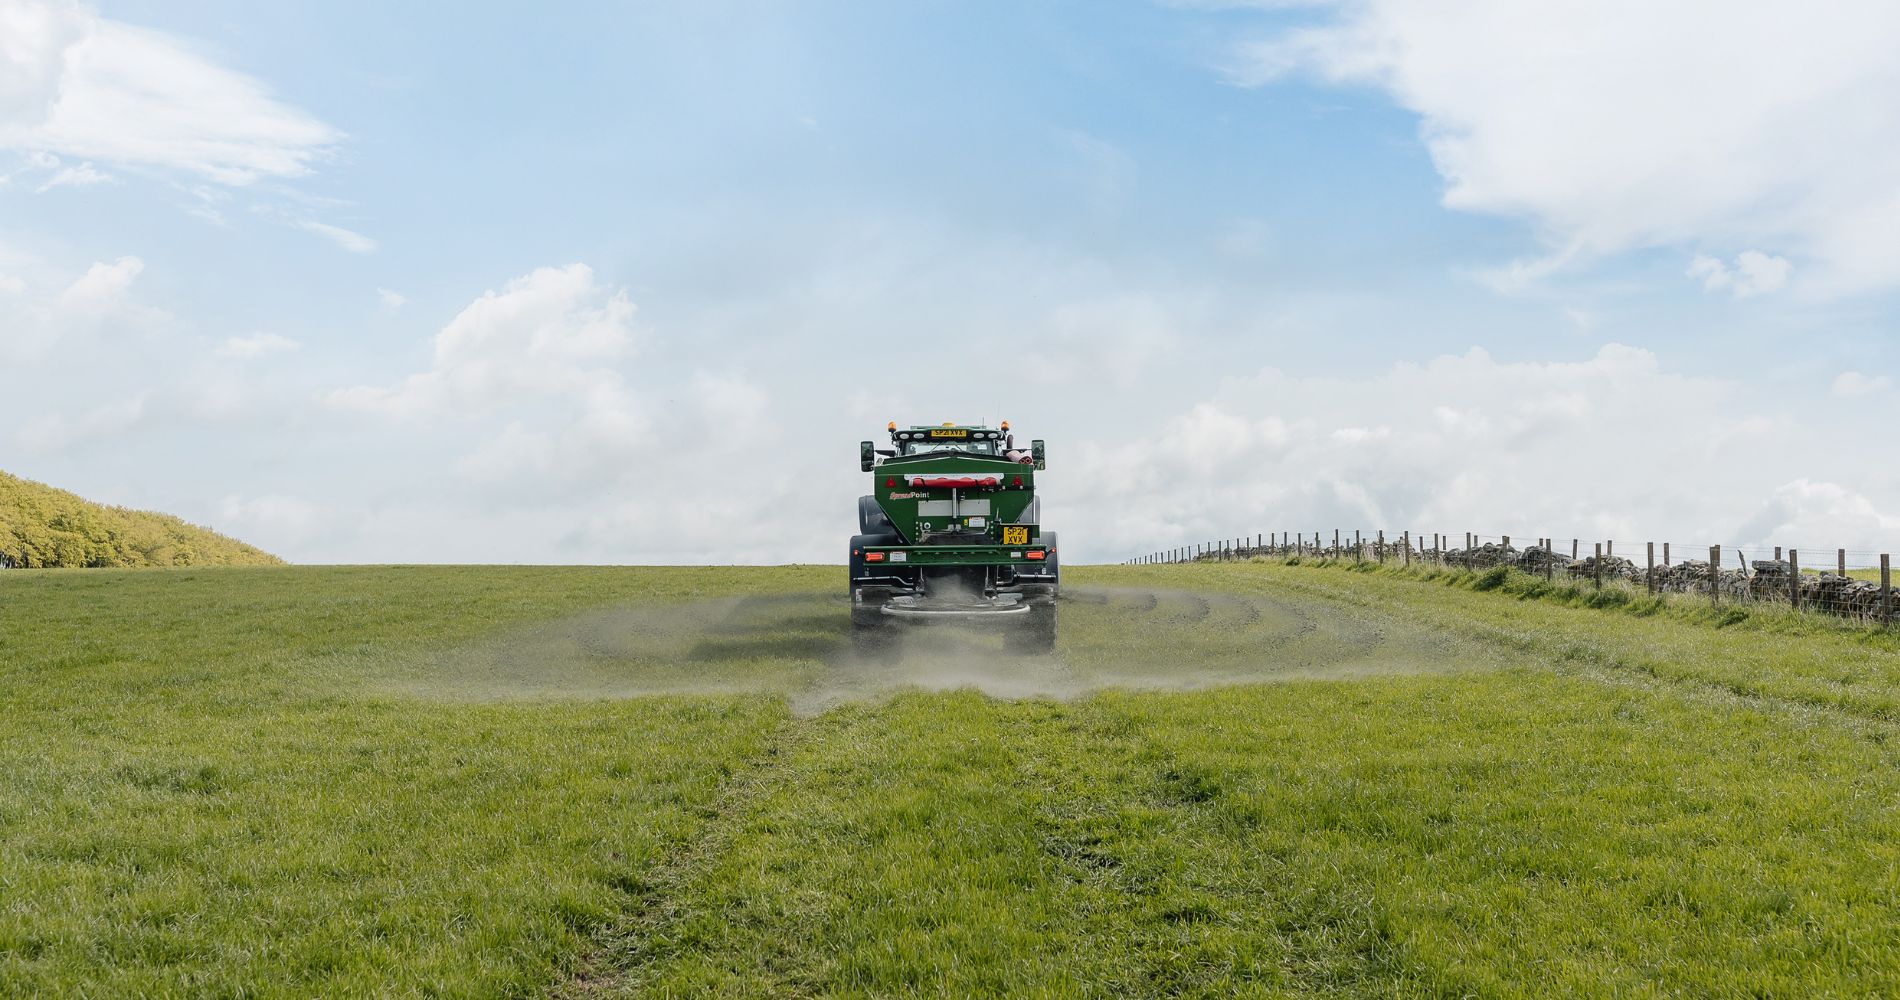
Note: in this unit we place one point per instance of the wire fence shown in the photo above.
(1840, 582)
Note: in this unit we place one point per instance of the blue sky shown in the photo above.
(371, 282)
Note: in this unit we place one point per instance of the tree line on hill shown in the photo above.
(43, 527)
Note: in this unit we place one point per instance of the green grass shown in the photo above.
(1234, 780)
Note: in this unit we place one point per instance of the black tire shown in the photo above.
(1035, 635)
(1053, 560)
(871, 518)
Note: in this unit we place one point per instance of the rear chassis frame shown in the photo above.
(1011, 584)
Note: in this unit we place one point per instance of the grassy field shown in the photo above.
(1230, 780)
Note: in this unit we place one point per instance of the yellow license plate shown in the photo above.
(1015, 536)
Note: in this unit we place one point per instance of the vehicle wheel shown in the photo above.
(871, 518)
(1038, 634)
(1053, 560)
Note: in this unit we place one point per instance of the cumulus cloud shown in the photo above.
(391, 301)
(94, 310)
(1833, 515)
(73, 83)
(1614, 446)
(256, 345)
(554, 333)
(533, 406)
(1635, 123)
(104, 283)
(1851, 384)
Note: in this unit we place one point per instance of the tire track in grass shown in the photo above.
(654, 892)
(955, 845)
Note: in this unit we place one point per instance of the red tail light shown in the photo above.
(874, 557)
(1016, 482)
(1034, 555)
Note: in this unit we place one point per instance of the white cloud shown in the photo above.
(104, 283)
(1754, 272)
(256, 345)
(1611, 447)
(391, 301)
(553, 333)
(1634, 123)
(94, 311)
(76, 84)
(1852, 384)
(354, 242)
(84, 175)
(1823, 516)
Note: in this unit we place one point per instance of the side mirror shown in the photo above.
(1035, 452)
(867, 458)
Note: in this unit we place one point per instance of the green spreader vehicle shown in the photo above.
(951, 532)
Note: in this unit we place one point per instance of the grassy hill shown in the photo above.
(44, 527)
(1234, 780)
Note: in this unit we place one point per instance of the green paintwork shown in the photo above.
(918, 510)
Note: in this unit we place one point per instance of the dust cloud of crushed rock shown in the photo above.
(799, 646)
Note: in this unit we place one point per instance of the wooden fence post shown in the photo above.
(1405, 543)
(1382, 546)
(1611, 549)
(1794, 579)
(1777, 553)
(1651, 575)
(1886, 592)
(1599, 566)
(1665, 555)
(1715, 574)
(1840, 561)
(1573, 550)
